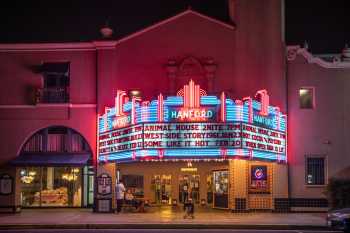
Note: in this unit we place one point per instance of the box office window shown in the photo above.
(306, 98)
(315, 171)
(134, 183)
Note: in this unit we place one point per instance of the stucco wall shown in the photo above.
(323, 130)
(140, 61)
(18, 76)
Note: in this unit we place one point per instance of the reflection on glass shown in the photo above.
(31, 186)
(189, 188)
(210, 188)
(51, 186)
(221, 182)
(161, 184)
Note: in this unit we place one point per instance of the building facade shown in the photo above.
(188, 107)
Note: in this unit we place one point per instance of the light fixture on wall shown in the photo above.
(134, 93)
(327, 142)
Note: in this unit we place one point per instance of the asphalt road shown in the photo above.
(161, 231)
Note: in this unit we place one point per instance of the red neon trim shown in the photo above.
(96, 157)
(105, 122)
(239, 114)
(223, 107)
(250, 154)
(119, 102)
(223, 152)
(250, 108)
(160, 112)
(161, 153)
(278, 118)
(133, 109)
(191, 95)
(265, 99)
(285, 119)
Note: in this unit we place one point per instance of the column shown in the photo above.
(280, 187)
(238, 193)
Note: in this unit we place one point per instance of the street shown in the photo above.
(159, 231)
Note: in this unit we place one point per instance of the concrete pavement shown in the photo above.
(160, 217)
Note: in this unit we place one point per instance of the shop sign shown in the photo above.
(104, 184)
(262, 120)
(202, 114)
(189, 169)
(121, 121)
(258, 178)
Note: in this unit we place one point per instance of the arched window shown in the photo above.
(55, 168)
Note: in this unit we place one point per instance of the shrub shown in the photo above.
(338, 193)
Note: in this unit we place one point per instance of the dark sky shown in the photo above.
(323, 23)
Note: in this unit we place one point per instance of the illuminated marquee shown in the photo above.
(192, 125)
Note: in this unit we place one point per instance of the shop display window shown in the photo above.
(51, 186)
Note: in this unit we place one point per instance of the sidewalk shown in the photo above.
(160, 217)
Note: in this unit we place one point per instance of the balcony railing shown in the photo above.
(53, 95)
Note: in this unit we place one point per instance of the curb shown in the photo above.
(161, 226)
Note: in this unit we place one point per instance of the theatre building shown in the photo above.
(222, 152)
(189, 107)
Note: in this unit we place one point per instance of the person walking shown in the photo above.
(120, 190)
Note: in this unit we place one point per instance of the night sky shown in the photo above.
(323, 23)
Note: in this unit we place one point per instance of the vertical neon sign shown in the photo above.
(191, 95)
(264, 99)
(250, 107)
(133, 109)
(119, 102)
(160, 112)
(223, 107)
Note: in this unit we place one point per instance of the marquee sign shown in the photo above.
(192, 125)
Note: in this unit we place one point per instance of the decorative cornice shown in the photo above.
(67, 105)
(100, 44)
(30, 47)
(105, 44)
(186, 12)
(293, 51)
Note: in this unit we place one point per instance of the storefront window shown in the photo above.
(51, 186)
(31, 186)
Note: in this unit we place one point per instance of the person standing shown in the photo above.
(120, 190)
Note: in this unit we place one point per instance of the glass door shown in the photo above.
(162, 188)
(220, 189)
(189, 188)
(210, 188)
